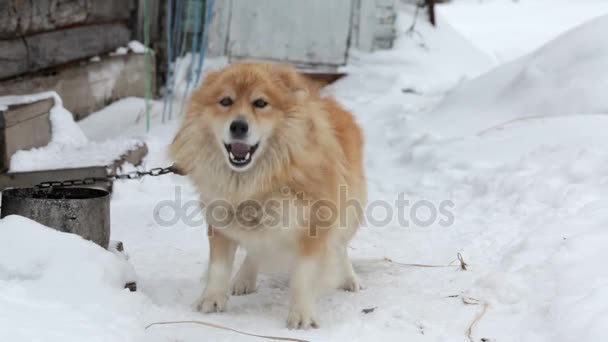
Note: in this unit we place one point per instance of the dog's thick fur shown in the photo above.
(309, 149)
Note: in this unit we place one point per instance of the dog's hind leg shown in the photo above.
(245, 280)
(351, 281)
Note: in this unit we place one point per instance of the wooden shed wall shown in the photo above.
(38, 34)
(372, 25)
(20, 18)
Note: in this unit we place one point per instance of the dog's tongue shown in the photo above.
(239, 150)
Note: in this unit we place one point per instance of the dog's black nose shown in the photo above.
(239, 128)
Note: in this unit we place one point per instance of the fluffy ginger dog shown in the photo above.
(282, 167)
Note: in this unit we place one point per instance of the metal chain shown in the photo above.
(155, 172)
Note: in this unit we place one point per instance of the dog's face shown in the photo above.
(242, 106)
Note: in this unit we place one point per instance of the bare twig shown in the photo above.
(463, 265)
(431, 4)
(412, 29)
(477, 318)
(217, 326)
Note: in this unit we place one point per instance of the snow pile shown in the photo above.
(58, 287)
(120, 51)
(521, 155)
(425, 60)
(136, 46)
(133, 46)
(125, 117)
(568, 76)
(54, 156)
(508, 29)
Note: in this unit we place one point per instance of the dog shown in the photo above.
(262, 134)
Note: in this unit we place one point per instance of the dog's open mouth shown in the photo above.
(240, 154)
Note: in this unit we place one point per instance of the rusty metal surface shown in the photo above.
(81, 211)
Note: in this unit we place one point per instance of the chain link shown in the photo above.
(155, 172)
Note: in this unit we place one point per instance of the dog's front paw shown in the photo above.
(243, 286)
(212, 302)
(352, 284)
(301, 319)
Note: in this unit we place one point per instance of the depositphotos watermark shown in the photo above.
(294, 210)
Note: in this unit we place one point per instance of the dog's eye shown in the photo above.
(226, 102)
(259, 103)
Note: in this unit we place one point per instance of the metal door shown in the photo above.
(305, 32)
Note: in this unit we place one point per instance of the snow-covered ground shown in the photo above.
(519, 151)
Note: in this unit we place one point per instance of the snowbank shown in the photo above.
(522, 156)
(568, 76)
(425, 60)
(58, 287)
(508, 29)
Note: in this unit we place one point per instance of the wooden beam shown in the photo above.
(87, 87)
(431, 5)
(20, 18)
(40, 51)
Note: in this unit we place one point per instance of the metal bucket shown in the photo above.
(81, 211)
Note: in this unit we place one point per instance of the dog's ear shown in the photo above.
(292, 80)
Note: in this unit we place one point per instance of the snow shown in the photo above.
(568, 76)
(120, 51)
(133, 46)
(435, 61)
(57, 287)
(508, 29)
(116, 120)
(136, 46)
(519, 151)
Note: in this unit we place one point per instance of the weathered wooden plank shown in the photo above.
(312, 31)
(354, 24)
(384, 32)
(20, 18)
(87, 87)
(156, 7)
(13, 57)
(106, 11)
(367, 23)
(17, 114)
(23, 127)
(375, 25)
(58, 47)
(387, 3)
(36, 52)
(386, 15)
(383, 44)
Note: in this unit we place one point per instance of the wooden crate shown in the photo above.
(23, 127)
